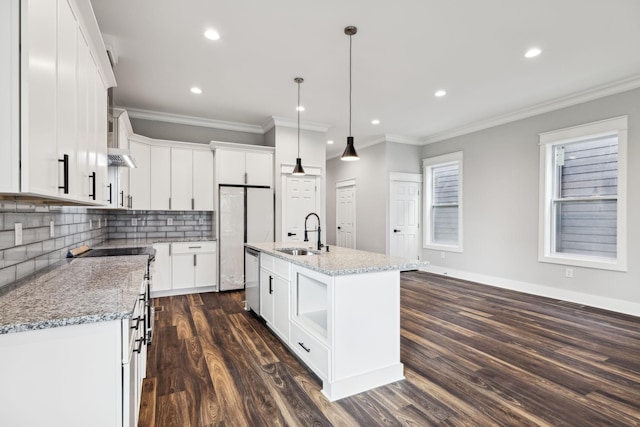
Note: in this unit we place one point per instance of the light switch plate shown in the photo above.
(18, 233)
(169, 221)
(90, 225)
(200, 221)
(52, 229)
(134, 221)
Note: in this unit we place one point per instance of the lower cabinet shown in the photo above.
(274, 294)
(184, 267)
(74, 376)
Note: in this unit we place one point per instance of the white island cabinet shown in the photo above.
(339, 311)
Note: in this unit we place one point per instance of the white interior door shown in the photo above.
(346, 216)
(405, 219)
(301, 200)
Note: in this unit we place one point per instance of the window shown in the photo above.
(443, 202)
(582, 195)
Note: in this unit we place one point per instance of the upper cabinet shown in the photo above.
(54, 119)
(243, 165)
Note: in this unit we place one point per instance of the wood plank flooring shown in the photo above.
(474, 356)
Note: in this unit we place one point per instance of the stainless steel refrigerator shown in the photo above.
(246, 214)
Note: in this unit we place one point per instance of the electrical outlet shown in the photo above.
(18, 233)
(134, 222)
(169, 221)
(568, 272)
(200, 221)
(99, 221)
(105, 222)
(90, 225)
(442, 255)
(52, 229)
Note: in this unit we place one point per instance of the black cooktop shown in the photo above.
(115, 252)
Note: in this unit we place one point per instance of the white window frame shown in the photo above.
(427, 166)
(615, 126)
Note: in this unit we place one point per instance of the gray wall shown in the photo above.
(153, 224)
(371, 173)
(188, 133)
(501, 173)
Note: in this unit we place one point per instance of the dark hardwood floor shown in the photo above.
(473, 356)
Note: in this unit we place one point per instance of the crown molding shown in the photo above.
(274, 121)
(613, 88)
(136, 113)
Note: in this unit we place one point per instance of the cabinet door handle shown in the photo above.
(169, 202)
(395, 230)
(92, 177)
(65, 172)
(270, 284)
(122, 198)
(246, 177)
(301, 344)
(110, 195)
(195, 247)
(193, 204)
(131, 202)
(195, 262)
(140, 342)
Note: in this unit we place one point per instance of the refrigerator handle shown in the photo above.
(270, 284)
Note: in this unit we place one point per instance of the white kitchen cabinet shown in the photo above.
(86, 374)
(161, 276)
(243, 166)
(54, 81)
(191, 179)
(139, 177)
(184, 268)
(193, 264)
(275, 294)
(160, 177)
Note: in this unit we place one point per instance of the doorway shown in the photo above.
(346, 214)
(301, 198)
(404, 215)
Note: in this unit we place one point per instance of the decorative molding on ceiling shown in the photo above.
(613, 88)
(193, 121)
(293, 123)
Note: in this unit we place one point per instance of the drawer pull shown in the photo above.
(140, 342)
(195, 247)
(301, 344)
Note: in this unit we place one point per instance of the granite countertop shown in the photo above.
(131, 243)
(73, 292)
(338, 261)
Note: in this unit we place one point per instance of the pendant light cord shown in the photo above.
(350, 41)
(298, 108)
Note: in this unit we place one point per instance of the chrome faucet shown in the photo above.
(306, 236)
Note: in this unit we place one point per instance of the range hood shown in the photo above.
(120, 157)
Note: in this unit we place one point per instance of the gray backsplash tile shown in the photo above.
(71, 229)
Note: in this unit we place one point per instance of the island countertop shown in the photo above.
(72, 292)
(338, 261)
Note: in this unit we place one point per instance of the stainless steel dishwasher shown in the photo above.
(252, 279)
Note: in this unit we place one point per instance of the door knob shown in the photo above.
(291, 234)
(339, 228)
(395, 230)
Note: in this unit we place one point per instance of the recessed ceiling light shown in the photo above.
(196, 90)
(330, 142)
(212, 34)
(300, 108)
(533, 52)
(375, 122)
(440, 93)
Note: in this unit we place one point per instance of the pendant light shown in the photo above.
(298, 170)
(350, 152)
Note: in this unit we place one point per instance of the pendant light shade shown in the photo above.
(350, 154)
(298, 169)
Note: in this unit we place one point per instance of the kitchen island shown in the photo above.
(338, 311)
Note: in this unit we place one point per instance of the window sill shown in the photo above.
(588, 262)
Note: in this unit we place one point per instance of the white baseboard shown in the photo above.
(597, 301)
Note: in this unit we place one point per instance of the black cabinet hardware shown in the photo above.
(270, 284)
(301, 344)
(110, 193)
(291, 234)
(65, 171)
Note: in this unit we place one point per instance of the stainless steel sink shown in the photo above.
(298, 251)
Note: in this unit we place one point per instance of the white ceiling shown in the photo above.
(404, 51)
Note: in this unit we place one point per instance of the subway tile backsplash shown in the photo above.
(75, 226)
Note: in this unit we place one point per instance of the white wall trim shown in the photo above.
(619, 306)
(408, 177)
(240, 147)
(293, 123)
(545, 107)
(345, 182)
(157, 116)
